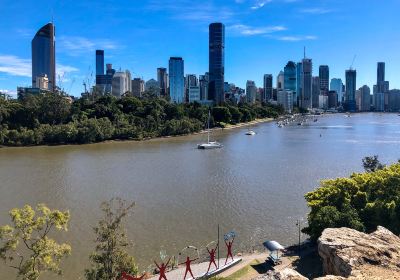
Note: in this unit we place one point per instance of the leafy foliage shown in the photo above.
(52, 119)
(362, 202)
(372, 164)
(26, 245)
(110, 257)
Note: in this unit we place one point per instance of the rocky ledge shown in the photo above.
(349, 253)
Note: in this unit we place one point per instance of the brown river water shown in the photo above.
(255, 185)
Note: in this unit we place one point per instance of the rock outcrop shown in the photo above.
(285, 274)
(352, 254)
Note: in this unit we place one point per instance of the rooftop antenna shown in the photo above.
(304, 52)
(352, 63)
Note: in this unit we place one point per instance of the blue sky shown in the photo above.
(261, 36)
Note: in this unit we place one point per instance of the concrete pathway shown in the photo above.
(199, 270)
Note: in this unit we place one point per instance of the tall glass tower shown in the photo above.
(351, 80)
(299, 75)
(216, 62)
(44, 55)
(306, 84)
(324, 79)
(290, 79)
(99, 62)
(176, 80)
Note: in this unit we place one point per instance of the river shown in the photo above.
(255, 185)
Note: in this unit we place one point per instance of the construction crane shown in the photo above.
(70, 86)
(352, 63)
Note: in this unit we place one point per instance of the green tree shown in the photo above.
(372, 164)
(110, 257)
(362, 202)
(27, 247)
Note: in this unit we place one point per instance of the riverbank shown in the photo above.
(226, 127)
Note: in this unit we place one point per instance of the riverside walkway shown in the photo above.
(199, 270)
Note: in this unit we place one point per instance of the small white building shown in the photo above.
(42, 82)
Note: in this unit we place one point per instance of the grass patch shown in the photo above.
(245, 271)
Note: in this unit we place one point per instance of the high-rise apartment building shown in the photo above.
(137, 87)
(162, 79)
(44, 56)
(280, 81)
(324, 79)
(365, 93)
(121, 83)
(99, 62)
(337, 85)
(316, 92)
(290, 79)
(251, 92)
(299, 79)
(285, 98)
(216, 62)
(350, 97)
(306, 84)
(268, 88)
(176, 80)
(203, 84)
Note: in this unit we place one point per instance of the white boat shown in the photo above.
(250, 133)
(210, 144)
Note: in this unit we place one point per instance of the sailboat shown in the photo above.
(250, 132)
(210, 144)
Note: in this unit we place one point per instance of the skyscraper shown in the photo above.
(380, 74)
(290, 79)
(162, 79)
(216, 62)
(121, 83)
(350, 98)
(268, 94)
(337, 85)
(306, 84)
(299, 79)
(290, 76)
(316, 92)
(365, 98)
(99, 62)
(324, 79)
(44, 55)
(203, 82)
(251, 92)
(176, 80)
(280, 81)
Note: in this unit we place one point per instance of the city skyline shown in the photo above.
(258, 41)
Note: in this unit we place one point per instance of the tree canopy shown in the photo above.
(363, 201)
(27, 247)
(53, 119)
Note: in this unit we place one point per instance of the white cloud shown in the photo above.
(16, 66)
(76, 45)
(260, 3)
(315, 11)
(199, 12)
(13, 65)
(297, 38)
(251, 31)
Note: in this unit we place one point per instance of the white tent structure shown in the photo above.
(274, 248)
